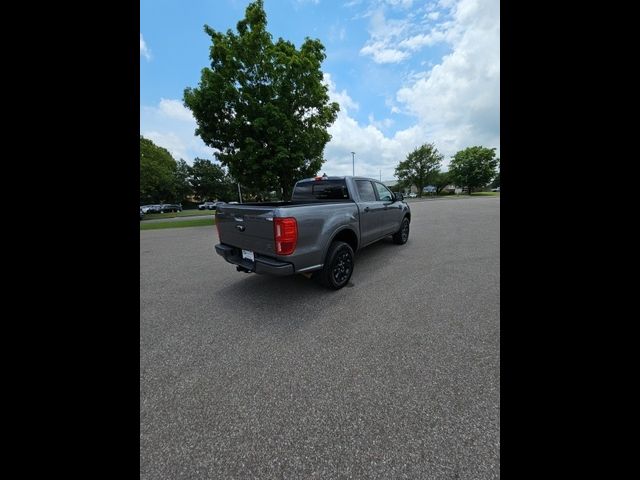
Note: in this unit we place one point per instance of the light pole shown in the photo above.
(239, 193)
(353, 163)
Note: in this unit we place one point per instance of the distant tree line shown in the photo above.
(473, 168)
(165, 180)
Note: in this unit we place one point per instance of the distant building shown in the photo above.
(393, 184)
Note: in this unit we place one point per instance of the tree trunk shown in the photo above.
(286, 193)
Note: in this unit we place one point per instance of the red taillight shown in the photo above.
(285, 235)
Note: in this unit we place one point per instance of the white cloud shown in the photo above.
(169, 140)
(383, 38)
(459, 99)
(433, 15)
(381, 54)
(374, 151)
(175, 109)
(381, 28)
(401, 3)
(416, 42)
(384, 123)
(394, 40)
(456, 103)
(345, 101)
(171, 125)
(396, 4)
(144, 50)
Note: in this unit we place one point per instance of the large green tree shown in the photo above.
(263, 105)
(420, 166)
(441, 180)
(496, 181)
(209, 181)
(403, 185)
(473, 167)
(182, 184)
(157, 173)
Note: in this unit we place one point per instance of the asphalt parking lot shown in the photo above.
(396, 375)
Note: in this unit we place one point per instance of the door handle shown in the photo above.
(366, 209)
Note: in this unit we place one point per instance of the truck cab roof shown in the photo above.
(334, 177)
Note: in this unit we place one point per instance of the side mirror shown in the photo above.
(399, 197)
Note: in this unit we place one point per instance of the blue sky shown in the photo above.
(405, 72)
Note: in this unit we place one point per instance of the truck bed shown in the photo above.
(249, 226)
(284, 204)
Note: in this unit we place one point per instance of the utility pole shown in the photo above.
(353, 164)
(239, 193)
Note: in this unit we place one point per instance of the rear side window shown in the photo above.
(320, 190)
(365, 189)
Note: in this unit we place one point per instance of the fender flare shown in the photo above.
(325, 250)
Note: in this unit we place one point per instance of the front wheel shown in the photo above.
(402, 235)
(338, 266)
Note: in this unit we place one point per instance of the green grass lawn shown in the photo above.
(485, 194)
(198, 222)
(454, 196)
(183, 213)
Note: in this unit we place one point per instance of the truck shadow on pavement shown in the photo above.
(261, 289)
(293, 301)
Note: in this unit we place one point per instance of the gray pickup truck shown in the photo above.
(318, 231)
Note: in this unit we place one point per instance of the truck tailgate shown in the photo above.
(247, 227)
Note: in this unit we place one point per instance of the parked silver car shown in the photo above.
(170, 207)
(150, 209)
(209, 205)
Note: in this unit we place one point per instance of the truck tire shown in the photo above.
(338, 267)
(402, 235)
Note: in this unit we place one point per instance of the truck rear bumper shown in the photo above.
(261, 265)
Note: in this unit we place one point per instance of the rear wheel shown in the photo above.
(338, 267)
